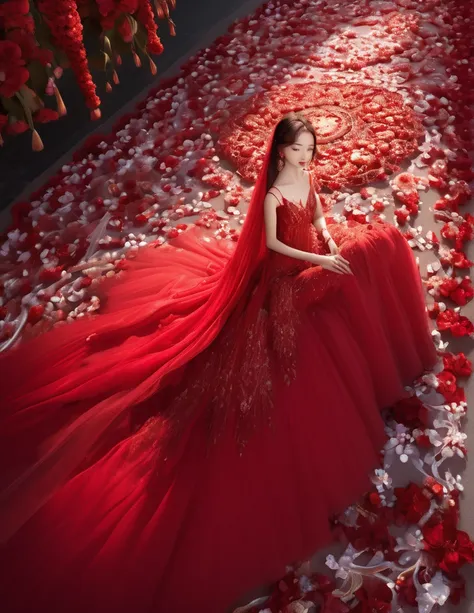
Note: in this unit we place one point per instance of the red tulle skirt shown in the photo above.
(136, 529)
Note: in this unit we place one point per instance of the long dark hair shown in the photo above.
(286, 133)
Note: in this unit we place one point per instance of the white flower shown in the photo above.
(343, 566)
(436, 593)
(305, 584)
(381, 479)
(453, 483)
(411, 540)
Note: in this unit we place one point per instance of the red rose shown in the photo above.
(459, 325)
(461, 295)
(376, 599)
(423, 440)
(458, 589)
(451, 548)
(463, 327)
(374, 499)
(407, 591)
(410, 200)
(410, 412)
(402, 215)
(459, 260)
(371, 534)
(411, 504)
(446, 383)
(458, 364)
(125, 30)
(447, 286)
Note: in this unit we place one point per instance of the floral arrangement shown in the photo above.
(167, 166)
(40, 38)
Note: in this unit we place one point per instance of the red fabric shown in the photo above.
(186, 445)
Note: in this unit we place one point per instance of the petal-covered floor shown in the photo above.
(389, 89)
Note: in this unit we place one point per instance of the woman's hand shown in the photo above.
(333, 248)
(334, 263)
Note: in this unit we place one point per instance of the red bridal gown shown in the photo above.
(267, 433)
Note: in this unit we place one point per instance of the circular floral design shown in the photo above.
(363, 132)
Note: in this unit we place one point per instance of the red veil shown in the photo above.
(65, 390)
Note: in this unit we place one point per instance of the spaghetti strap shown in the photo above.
(282, 196)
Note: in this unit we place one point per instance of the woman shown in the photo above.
(187, 444)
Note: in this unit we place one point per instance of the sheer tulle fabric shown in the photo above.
(189, 443)
(100, 369)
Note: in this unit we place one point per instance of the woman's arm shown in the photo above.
(318, 220)
(270, 206)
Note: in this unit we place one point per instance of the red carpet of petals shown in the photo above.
(370, 74)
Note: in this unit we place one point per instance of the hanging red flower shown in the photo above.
(15, 14)
(146, 17)
(65, 24)
(45, 115)
(111, 10)
(125, 30)
(17, 127)
(30, 50)
(20, 51)
(12, 67)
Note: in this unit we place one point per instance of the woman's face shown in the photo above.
(300, 153)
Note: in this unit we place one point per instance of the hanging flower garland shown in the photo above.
(38, 38)
(65, 25)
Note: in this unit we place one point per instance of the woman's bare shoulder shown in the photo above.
(272, 197)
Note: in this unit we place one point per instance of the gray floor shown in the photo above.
(197, 24)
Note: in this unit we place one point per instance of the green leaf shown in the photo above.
(141, 39)
(13, 107)
(31, 99)
(107, 45)
(99, 61)
(133, 24)
(38, 77)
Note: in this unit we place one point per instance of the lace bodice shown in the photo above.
(295, 228)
